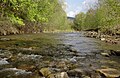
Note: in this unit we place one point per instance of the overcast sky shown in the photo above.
(76, 6)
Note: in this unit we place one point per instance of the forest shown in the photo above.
(104, 17)
(31, 16)
(34, 16)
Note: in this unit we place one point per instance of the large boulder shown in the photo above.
(45, 72)
(105, 54)
(76, 72)
(109, 72)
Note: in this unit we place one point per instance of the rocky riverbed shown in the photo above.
(58, 55)
(112, 39)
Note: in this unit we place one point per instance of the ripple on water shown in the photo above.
(29, 57)
(3, 61)
(13, 72)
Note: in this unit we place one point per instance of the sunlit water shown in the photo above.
(91, 49)
(87, 53)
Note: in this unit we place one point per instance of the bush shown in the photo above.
(6, 27)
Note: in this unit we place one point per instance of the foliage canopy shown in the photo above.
(106, 17)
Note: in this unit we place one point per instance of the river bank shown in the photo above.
(54, 55)
(113, 39)
(108, 39)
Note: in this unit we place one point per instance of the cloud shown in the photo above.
(65, 3)
(73, 13)
(87, 4)
(74, 8)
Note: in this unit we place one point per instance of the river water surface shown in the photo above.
(90, 50)
(23, 55)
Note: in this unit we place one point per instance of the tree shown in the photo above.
(105, 17)
(58, 20)
(90, 20)
(108, 15)
(79, 21)
(33, 15)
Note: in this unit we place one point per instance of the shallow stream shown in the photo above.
(22, 56)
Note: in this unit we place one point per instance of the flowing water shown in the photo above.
(23, 55)
(89, 50)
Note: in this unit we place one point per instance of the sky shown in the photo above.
(73, 7)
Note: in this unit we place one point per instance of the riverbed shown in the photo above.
(28, 55)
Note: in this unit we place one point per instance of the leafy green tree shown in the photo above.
(90, 20)
(58, 20)
(33, 10)
(79, 21)
(33, 15)
(106, 17)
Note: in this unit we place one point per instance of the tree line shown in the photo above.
(104, 17)
(28, 16)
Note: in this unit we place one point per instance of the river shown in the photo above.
(24, 55)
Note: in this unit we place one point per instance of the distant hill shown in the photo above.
(70, 18)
